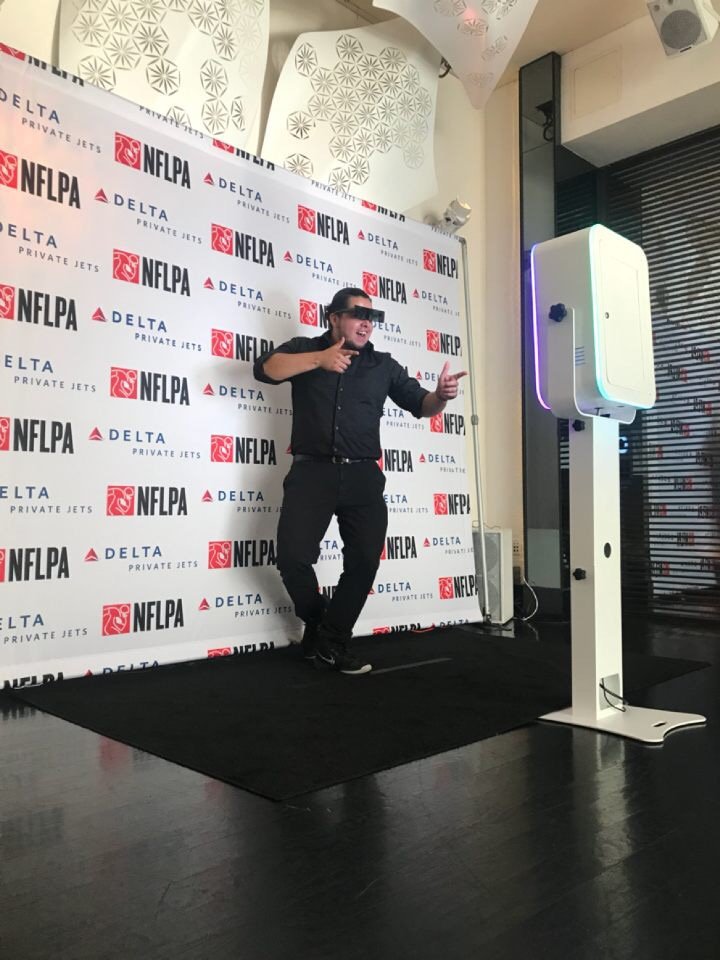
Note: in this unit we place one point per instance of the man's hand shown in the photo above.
(336, 358)
(447, 386)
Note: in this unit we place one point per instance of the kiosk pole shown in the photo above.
(595, 594)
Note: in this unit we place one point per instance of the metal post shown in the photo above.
(474, 420)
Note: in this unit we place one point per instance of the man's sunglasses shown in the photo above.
(364, 313)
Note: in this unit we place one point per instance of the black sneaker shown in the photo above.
(337, 658)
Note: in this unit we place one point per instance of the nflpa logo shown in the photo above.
(219, 554)
(433, 340)
(381, 629)
(306, 219)
(120, 501)
(116, 619)
(436, 424)
(430, 260)
(440, 503)
(12, 51)
(7, 301)
(223, 344)
(127, 150)
(445, 586)
(8, 170)
(123, 383)
(222, 239)
(126, 266)
(221, 448)
(219, 652)
(370, 284)
(2, 564)
(4, 433)
(308, 312)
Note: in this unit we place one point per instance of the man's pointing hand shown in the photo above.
(336, 358)
(447, 387)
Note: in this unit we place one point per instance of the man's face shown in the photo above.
(356, 332)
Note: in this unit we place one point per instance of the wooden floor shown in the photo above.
(547, 842)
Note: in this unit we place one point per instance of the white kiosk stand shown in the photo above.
(594, 366)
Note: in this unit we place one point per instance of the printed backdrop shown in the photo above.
(143, 267)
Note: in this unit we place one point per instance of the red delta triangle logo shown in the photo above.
(91, 556)
(209, 285)
(95, 434)
(208, 390)
(99, 316)
(203, 605)
(209, 179)
(207, 497)
(101, 196)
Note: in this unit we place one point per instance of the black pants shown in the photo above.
(313, 493)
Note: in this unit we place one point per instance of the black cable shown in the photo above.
(623, 701)
(448, 68)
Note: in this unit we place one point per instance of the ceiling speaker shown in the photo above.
(683, 24)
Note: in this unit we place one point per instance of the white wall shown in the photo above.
(622, 95)
(502, 329)
(36, 34)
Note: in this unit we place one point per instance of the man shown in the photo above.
(339, 385)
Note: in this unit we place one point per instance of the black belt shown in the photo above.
(304, 457)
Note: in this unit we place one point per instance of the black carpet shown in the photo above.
(274, 725)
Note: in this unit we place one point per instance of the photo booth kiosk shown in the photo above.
(594, 366)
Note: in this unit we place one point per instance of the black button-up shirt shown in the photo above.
(338, 414)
